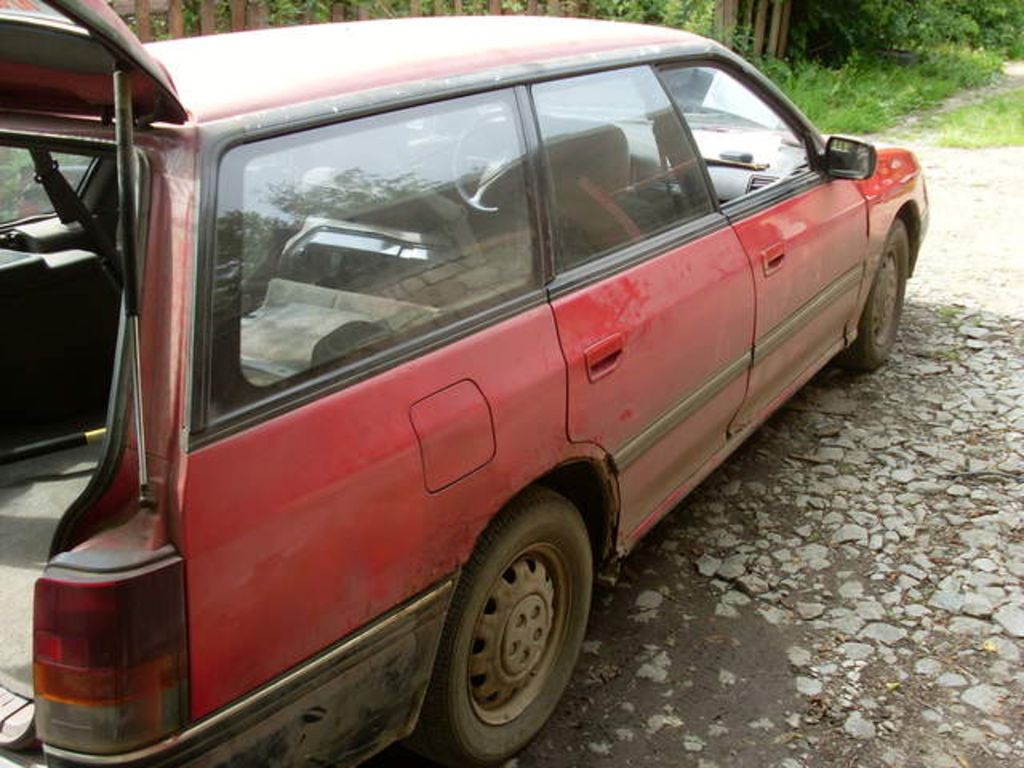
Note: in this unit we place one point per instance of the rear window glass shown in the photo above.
(21, 196)
(620, 163)
(339, 243)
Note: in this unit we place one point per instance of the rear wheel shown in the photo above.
(513, 634)
(876, 330)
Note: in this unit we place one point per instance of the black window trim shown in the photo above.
(544, 238)
(332, 109)
(204, 429)
(705, 173)
(757, 202)
(315, 387)
(633, 254)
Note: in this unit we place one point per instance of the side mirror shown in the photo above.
(849, 158)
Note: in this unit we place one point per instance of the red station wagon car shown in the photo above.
(338, 362)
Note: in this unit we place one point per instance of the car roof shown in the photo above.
(223, 76)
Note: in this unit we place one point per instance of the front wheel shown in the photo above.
(513, 634)
(876, 330)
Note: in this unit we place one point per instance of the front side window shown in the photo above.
(338, 243)
(21, 196)
(746, 144)
(620, 164)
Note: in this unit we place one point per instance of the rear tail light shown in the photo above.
(110, 663)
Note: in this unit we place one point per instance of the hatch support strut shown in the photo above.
(123, 132)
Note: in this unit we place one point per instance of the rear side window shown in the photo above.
(337, 244)
(620, 164)
(21, 196)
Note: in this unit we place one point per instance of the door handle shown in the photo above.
(604, 356)
(772, 258)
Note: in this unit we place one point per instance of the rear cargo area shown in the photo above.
(34, 494)
(59, 320)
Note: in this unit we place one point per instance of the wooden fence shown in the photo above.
(176, 18)
(766, 22)
(758, 27)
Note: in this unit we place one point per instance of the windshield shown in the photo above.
(21, 196)
(710, 98)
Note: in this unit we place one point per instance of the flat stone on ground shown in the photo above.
(808, 686)
(810, 610)
(883, 633)
(649, 599)
(857, 651)
(799, 657)
(951, 680)
(1011, 619)
(984, 697)
(708, 565)
(850, 533)
(952, 602)
(858, 727)
(732, 568)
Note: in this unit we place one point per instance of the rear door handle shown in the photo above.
(772, 258)
(604, 356)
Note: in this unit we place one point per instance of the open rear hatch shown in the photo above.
(58, 57)
(63, 309)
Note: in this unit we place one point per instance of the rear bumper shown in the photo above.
(337, 709)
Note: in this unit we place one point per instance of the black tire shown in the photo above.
(505, 609)
(879, 322)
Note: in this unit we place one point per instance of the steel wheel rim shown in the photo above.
(886, 295)
(518, 634)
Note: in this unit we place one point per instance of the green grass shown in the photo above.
(995, 122)
(870, 95)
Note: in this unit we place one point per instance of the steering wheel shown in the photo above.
(479, 164)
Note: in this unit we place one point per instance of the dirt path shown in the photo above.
(848, 590)
(1012, 80)
(974, 253)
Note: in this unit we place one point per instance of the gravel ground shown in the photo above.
(848, 590)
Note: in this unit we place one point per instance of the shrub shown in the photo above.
(693, 15)
(832, 30)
